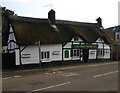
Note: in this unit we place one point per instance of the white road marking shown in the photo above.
(90, 65)
(12, 77)
(59, 72)
(6, 77)
(69, 74)
(53, 72)
(49, 87)
(17, 76)
(105, 74)
(46, 73)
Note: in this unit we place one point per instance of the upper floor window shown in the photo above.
(76, 38)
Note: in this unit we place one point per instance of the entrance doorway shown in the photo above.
(85, 55)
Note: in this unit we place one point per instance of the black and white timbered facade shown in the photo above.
(59, 40)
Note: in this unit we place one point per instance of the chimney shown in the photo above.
(99, 21)
(51, 16)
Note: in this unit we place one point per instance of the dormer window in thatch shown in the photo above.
(76, 38)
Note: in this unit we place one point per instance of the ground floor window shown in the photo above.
(66, 53)
(107, 51)
(45, 55)
(75, 52)
(100, 52)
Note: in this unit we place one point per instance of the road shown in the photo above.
(93, 77)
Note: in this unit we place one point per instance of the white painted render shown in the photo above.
(106, 50)
(30, 55)
(92, 53)
(17, 57)
(52, 48)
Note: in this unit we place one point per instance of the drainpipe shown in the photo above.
(39, 54)
(117, 52)
(39, 49)
(111, 55)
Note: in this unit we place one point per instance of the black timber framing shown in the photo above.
(81, 49)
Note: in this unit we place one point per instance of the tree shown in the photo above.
(5, 24)
(7, 12)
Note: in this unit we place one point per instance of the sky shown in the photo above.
(72, 10)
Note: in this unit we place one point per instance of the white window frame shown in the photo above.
(101, 52)
(75, 52)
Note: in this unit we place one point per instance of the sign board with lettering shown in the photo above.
(85, 46)
(56, 52)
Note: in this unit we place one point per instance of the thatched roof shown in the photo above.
(29, 30)
(113, 29)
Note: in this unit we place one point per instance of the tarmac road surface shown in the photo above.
(95, 77)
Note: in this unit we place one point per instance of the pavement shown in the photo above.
(87, 77)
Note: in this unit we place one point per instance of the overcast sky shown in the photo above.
(73, 10)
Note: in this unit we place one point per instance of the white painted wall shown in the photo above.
(92, 54)
(52, 48)
(30, 55)
(106, 52)
(33, 51)
(17, 57)
(68, 45)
